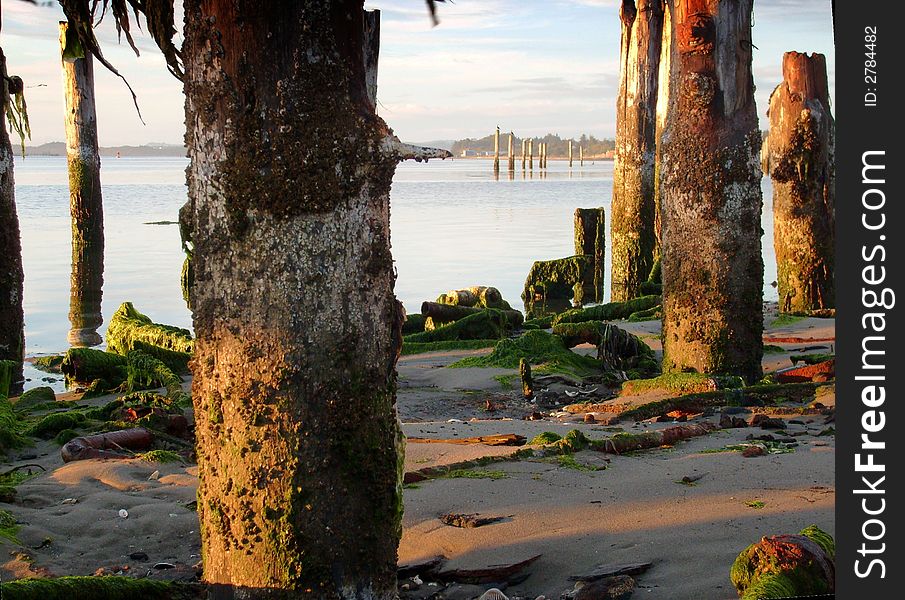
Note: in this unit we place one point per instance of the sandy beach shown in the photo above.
(687, 509)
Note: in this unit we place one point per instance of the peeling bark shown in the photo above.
(298, 330)
(799, 157)
(710, 193)
(85, 201)
(12, 320)
(633, 211)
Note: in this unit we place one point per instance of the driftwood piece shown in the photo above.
(613, 570)
(447, 313)
(468, 521)
(491, 573)
(628, 442)
(617, 587)
(406, 570)
(106, 445)
(503, 439)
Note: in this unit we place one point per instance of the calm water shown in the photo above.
(453, 226)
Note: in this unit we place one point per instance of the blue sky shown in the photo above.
(531, 66)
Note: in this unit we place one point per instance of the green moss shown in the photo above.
(487, 324)
(538, 348)
(651, 314)
(35, 397)
(7, 493)
(52, 424)
(127, 325)
(8, 528)
(98, 588)
(49, 364)
(784, 320)
(178, 362)
(771, 349)
(823, 539)
(10, 435)
(66, 436)
(473, 474)
(573, 441)
(414, 323)
(649, 288)
(409, 347)
(545, 322)
(506, 381)
(161, 456)
(608, 312)
(559, 277)
(755, 504)
(146, 372)
(811, 359)
(568, 461)
(7, 368)
(86, 365)
(682, 383)
(545, 438)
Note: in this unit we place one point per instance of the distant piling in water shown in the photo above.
(570, 154)
(511, 156)
(496, 150)
(524, 158)
(85, 202)
(531, 155)
(580, 156)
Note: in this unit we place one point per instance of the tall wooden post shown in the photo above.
(799, 157)
(511, 162)
(570, 154)
(524, 157)
(710, 178)
(590, 240)
(663, 92)
(531, 154)
(12, 321)
(496, 150)
(85, 201)
(543, 155)
(580, 156)
(633, 210)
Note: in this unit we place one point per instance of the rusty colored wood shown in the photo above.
(799, 156)
(712, 265)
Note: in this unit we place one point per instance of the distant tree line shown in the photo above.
(556, 146)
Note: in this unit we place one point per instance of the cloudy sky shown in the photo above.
(532, 66)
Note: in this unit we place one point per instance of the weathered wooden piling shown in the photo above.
(524, 157)
(570, 154)
(798, 155)
(711, 198)
(531, 154)
(85, 201)
(580, 156)
(12, 329)
(590, 240)
(633, 210)
(496, 150)
(663, 91)
(510, 155)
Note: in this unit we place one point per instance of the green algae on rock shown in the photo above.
(127, 325)
(611, 311)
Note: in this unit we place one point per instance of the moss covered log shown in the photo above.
(478, 296)
(99, 588)
(786, 566)
(127, 326)
(681, 383)
(414, 323)
(573, 334)
(620, 350)
(711, 195)
(799, 156)
(539, 348)
(85, 365)
(611, 311)
(633, 207)
(590, 240)
(448, 313)
(651, 314)
(562, 278)
(34, 397)
(489, 323)
(631, 442)
(755, 395)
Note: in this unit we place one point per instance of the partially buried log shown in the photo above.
(563, 277)
(711, 196)
(799, 156)
(447, 313)
(476, 296)
(610, 311)
(487, 324)
(629, 442)
(107, 445)
(633, 209)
